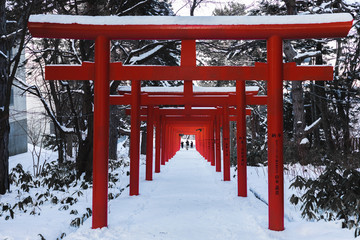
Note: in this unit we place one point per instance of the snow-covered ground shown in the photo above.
(187, 200)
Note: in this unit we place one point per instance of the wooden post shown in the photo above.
(135, 138)
(275, 133)
(163, 135)
(241, 138)
(217, 145)
(212, 142)
(226, 144)
(101, 132)
(157, 141)
(149, 142)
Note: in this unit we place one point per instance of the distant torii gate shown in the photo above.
(273, 29)
(229, 93)
(187, 116)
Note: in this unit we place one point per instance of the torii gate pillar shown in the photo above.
(241, 138)
(226, 143)
(275, 133)
(135, 138)
(149, 142)
(217, 144)
(157, 140)
(101, 132)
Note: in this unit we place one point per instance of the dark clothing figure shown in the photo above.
(187, 144)
(191, 144)
(182, 144)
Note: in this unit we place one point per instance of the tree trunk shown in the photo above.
(69, 145)
(299, 118)
(297, 97)
(254, 120)
(314, 116)
(325, 116)
(342, 103)
(4, 107)
(84, 159)
(194, 5)
(233, 147)
(315, 100)
(296, 91)
(60, 136)
(113, 136)
(4, 152)
(143, 142)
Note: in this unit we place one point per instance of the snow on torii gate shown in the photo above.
(271, 28)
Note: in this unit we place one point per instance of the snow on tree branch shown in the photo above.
(10, 35)
(123, 49)
(3, 55)
(145, 55)
(74, 51)
(304, 141)
(132, 8)
(302, 56)
(312, 126)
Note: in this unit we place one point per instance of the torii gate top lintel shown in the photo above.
(180, 27)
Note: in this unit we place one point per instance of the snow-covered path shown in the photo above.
(188, 200)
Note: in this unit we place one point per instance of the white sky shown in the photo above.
(181, 7)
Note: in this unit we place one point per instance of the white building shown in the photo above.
(17, 118)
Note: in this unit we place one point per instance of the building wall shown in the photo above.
(18, 121)
(18, 137)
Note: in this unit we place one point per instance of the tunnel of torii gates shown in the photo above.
(204, 123)
(273, 29)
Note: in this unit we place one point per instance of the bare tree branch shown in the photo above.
(34, 90)
(132, 8)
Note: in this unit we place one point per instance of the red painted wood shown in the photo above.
(185, 112)
(241, 139)
(186, 72)
(101, 132)
(226, 144)
(149, 143)
(212, 142)
(196, 101)
(158, 32)
(217, 145)
(163, 140)
(157, 141)
(135, 138)
(275, 134)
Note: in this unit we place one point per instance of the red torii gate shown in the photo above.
(273, 29)
(228, 94)
(205, 148)
(188, 115)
